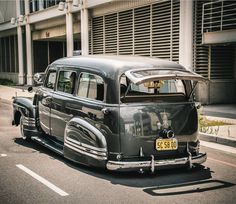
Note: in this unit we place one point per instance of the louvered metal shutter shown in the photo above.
(142, 30)
(126, 32)
(165, 30)
(98, 38)
(90, 36)
(200, 51)
(222, 62)
(111, 34)
(161, 25)
(175, 30)
(151, 30)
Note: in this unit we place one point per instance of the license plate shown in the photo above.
(166, 144)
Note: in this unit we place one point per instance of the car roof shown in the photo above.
(113, 65)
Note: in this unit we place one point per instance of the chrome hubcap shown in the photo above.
(21, 128)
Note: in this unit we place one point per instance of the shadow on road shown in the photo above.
(161, 183)
(187, 188)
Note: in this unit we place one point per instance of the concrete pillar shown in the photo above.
(84, 31)
(69, 30)
(29, 49)
(186, 34)
(20, 46)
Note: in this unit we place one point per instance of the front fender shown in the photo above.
(22, 107)
(84, 143)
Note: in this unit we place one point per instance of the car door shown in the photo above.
(45, 95)
(63, 98)
(90, 102)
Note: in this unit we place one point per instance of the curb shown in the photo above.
(217, 139)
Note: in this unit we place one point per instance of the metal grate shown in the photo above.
(213, 62)
(218, 15)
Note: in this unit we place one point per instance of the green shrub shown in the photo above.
(210, 126)
(7, 82)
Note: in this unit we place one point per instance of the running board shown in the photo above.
(49, 144)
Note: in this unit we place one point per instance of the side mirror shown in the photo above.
(30, 89)
(39, 78)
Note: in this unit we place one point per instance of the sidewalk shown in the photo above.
(225, 135)
(7, 93)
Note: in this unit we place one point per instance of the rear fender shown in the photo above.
(84, 143)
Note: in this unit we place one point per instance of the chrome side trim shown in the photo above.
(86, 149)
(119, 165)
(86, 145)
(27, 121)
(18, 106)
(85, 153)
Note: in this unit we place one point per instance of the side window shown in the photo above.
(66, 81)
(51, 79)
(91, 86)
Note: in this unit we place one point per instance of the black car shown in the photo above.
(115, 112)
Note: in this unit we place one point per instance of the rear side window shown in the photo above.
(91, 86)
(66, 81)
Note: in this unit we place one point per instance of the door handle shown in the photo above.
(105, 111)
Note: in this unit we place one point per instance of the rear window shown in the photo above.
(149, 90)
(161, 86)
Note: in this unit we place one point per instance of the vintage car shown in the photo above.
(116, 112)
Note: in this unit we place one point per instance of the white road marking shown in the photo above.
(42, 180)
(3, 155)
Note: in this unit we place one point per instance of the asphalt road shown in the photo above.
(29, 173)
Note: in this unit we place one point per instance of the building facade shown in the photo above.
(198, 34)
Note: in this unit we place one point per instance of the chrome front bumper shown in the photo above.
(155, 164)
